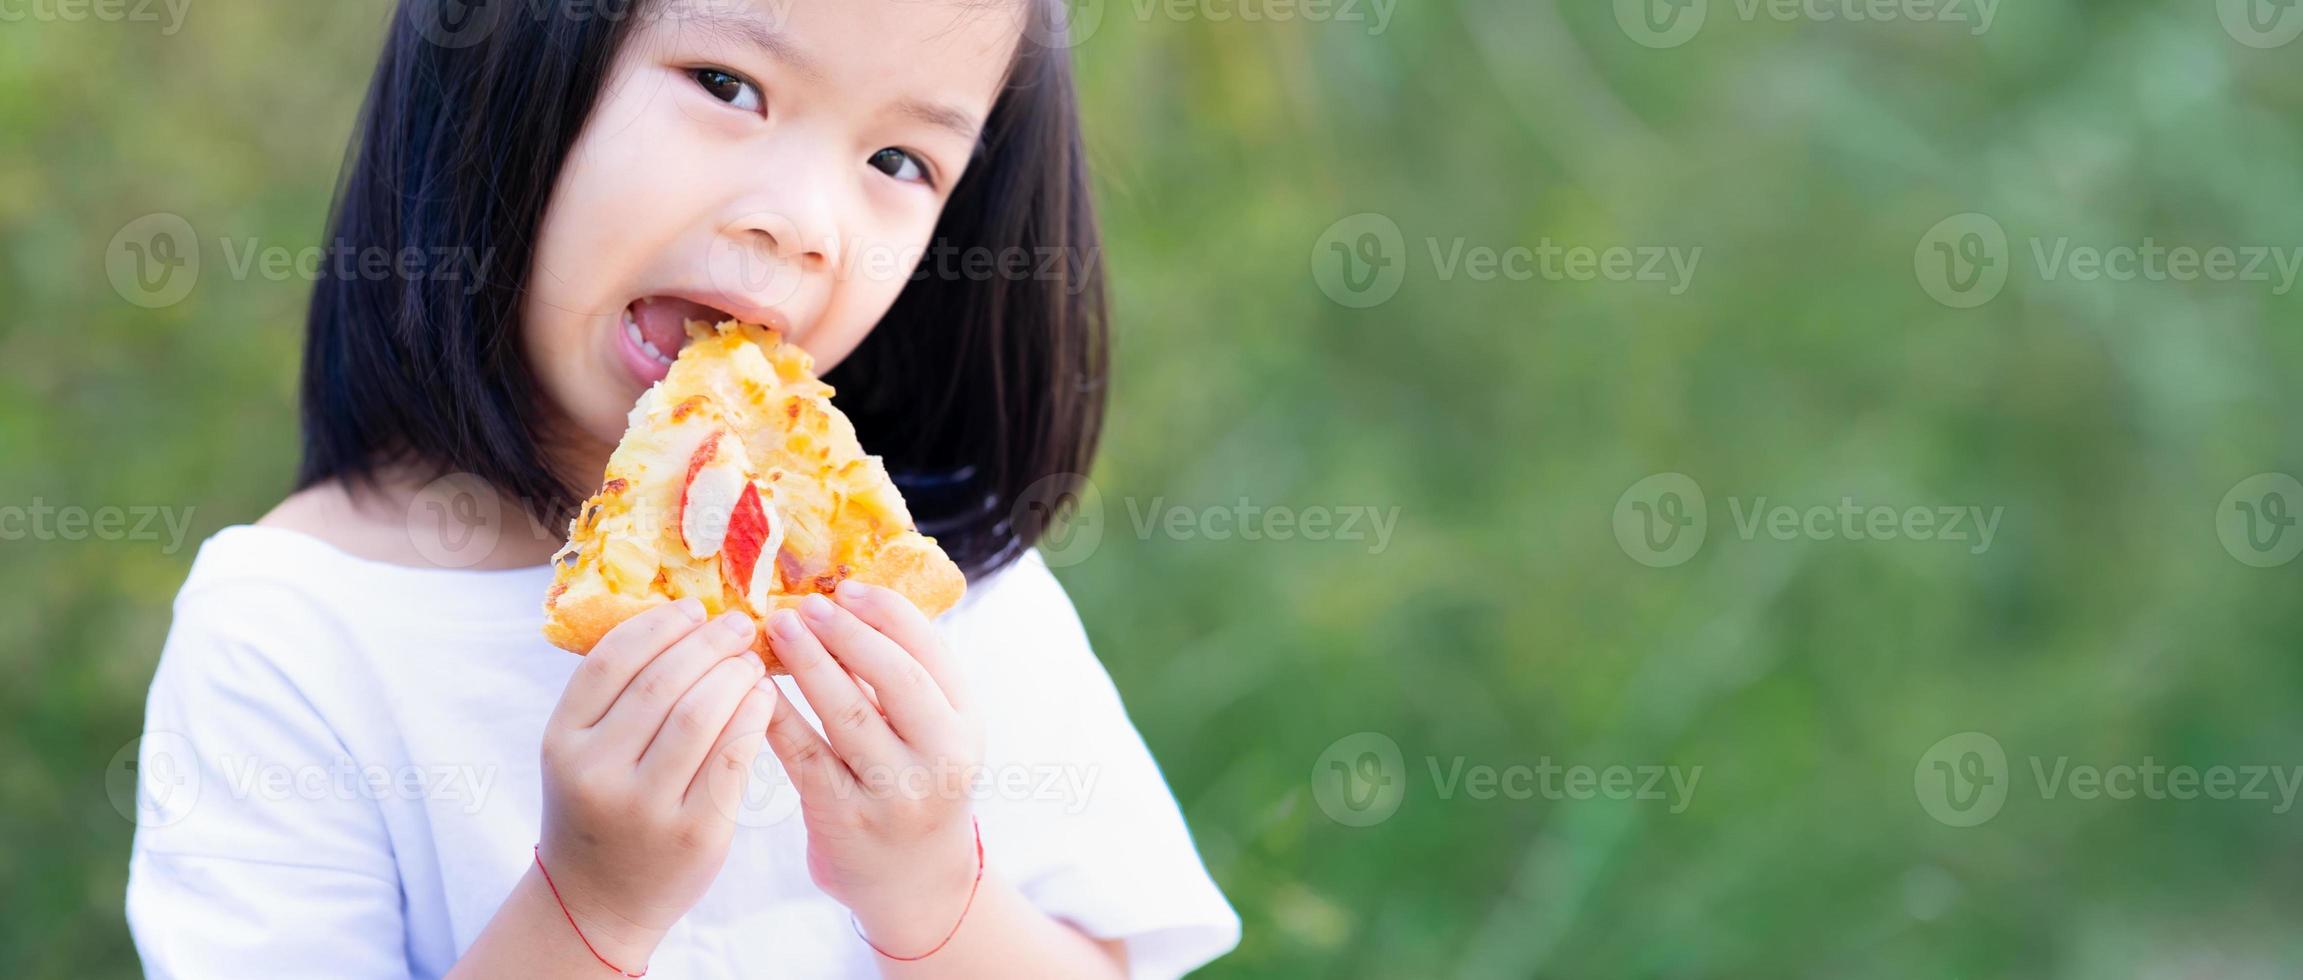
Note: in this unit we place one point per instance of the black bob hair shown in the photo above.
(985, 394)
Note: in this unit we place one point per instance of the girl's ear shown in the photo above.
(986, 393)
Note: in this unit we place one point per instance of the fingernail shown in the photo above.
(735, 624)
(816, 607)
(767, 686)
(854, 590)
(785, 624)
(692, 608)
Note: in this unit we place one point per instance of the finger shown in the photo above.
(910, 699)
(807, 758)
(632, 721)
(619, 656)
(720, 778)
(894, 615)
(852, 724)
(694, 723)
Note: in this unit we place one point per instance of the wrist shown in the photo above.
(918, 913)
(587, 926)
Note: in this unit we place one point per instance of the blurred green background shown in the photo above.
(2115, 616)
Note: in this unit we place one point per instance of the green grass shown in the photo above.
(1502, 623)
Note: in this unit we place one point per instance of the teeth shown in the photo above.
(632, 331)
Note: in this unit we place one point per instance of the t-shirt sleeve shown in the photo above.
(1081, 805)
(256, 848)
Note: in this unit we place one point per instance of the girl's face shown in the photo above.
(777, 161)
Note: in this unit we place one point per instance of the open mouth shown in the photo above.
(655, 328)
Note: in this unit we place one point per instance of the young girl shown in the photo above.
(361, 759)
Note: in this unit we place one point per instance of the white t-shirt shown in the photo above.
(338, 777)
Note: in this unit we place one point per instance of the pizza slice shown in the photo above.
(739, 484)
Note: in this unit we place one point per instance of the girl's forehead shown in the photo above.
(957, 45)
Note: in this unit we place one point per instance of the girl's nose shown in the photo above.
(801, 235)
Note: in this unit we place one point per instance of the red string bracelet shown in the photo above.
(946, 941)
(572, 919)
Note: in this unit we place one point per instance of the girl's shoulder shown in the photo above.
(330, 569)
(357, 525)
(453, 522)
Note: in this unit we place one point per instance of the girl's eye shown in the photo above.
(728, 88)
(899, 164)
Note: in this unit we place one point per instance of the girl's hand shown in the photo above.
(885, 789)
(663, 712)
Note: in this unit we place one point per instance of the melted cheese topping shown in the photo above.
(833, 506)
